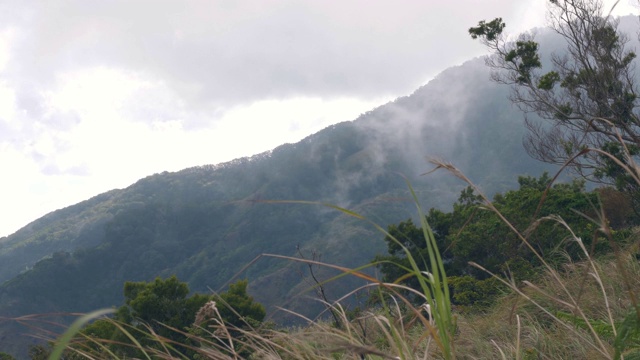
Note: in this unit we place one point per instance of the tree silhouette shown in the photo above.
(587, 100)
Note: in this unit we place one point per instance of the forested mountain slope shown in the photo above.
(205, 224)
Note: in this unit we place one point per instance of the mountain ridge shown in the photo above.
(206, 223)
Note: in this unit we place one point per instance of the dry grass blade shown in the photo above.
(602, 350)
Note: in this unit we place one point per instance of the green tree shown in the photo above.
(239, 309)
(161, 306)
(5, 356)
(39, 352)
(488, 241)
(588, 99)
(393, 266)
(43, 352)
(472, 233)
(412, 238)
(165, 308)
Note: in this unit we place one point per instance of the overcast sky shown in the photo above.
(95, 95)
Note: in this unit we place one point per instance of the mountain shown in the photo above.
(205, 224)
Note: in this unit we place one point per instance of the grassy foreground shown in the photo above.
(582, 310)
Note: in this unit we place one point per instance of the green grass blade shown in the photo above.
(73, 330)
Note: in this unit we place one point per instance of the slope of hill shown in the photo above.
(206, 223)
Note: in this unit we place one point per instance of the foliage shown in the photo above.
(237, 308)
(487, 240)
(563, 319)
(471, 294)
(39, 352)
(623, 180)
(588, 99)
(403, 237)
(627, 341)
(212, 336)
(471, 233)
(409, 237)
(160, 304)
(46, 352)
(164, 309)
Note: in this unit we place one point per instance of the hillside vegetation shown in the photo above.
(207, 225)
(581, 306)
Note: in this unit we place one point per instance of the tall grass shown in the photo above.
(563, 306)
(585, 309)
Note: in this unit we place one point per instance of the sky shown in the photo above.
(97, 94)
